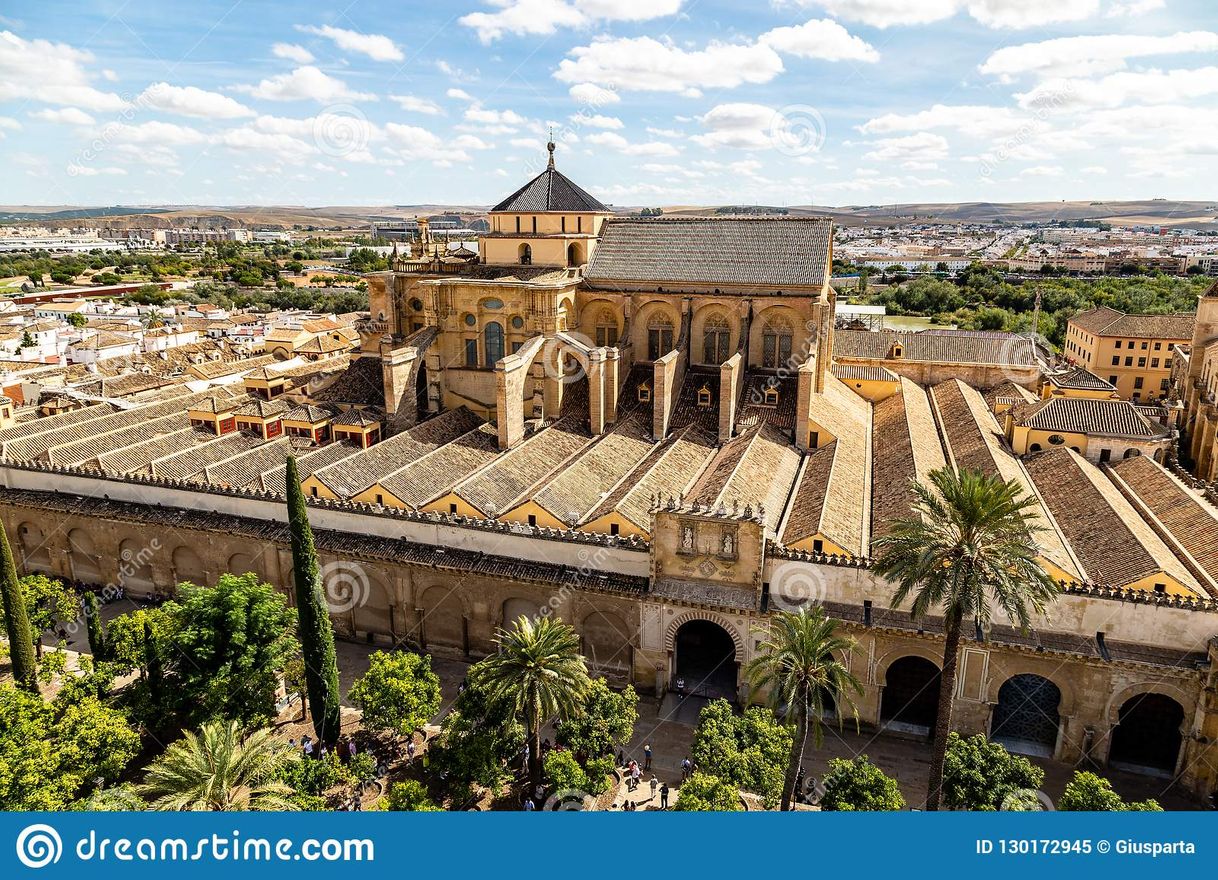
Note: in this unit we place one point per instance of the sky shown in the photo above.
(651, 102)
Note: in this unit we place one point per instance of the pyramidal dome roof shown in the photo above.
(552, 191)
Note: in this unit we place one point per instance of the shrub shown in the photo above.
(980, 775)
(600, 774)
(858, 784)
(410, 796)
(564, 772)
(703, 793)
(1088, 792)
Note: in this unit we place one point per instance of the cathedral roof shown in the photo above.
(761, 252)
(552, 191)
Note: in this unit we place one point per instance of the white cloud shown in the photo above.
(376, 46)
(979, 120)
(75, 169)
(1134, 7)
(264, 143)
(822, 39)
(646, 64)
(305, 84)
(1119, 89)
(191, 101)
(490, 121)
(292, 52)
(923, 147)
(1042, 171)
(459, 95)
(1082, 56)
(992, 13)
(53, 73)
(154, 132)
(593, 95)
(412, 104)
(665, 132)
(470, 142)
(412, 142)
(65, 116)
(794, 130)
(526, 143)
(615, 141)
(595, 120)
(521, 17)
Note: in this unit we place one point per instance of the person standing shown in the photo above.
(654, 785)
(664, 796)
(647, 756)
(686, 767)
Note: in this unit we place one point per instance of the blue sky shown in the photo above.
(653, 102)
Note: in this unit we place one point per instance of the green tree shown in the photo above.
(16, 620)
(1091, 793)
(52, 753)
(605, 720)
(119, 799)
(859, 785)
(313, 626)
(539, 671)
(399, 693)
(982, 775)
(95, 627)
(229, 645)
(706, 793)
(48, 601)
(76, 319)
(220, 769)
(410, 796)
(476, 739)
(969, 543)
(750, 750)
(801, 663)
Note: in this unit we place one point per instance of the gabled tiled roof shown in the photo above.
(862, 373)
(1081, 379)
(769, 254)
(1085, 415)
(947, 346)
(552, 191)
(263, 409)
(1104, 321)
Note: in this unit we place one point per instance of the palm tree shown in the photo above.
(540, 672)
(798, 662)
(220, 769)
(969, 545)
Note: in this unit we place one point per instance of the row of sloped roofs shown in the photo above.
(1131, 523)
(1104, 321)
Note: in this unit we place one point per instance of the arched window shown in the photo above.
(776, 344)
(493, 343)
(526, 255)
(716, 336)
(659, 337)
(605, 329)
(575, 254)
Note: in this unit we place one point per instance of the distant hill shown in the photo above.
(1156, 212)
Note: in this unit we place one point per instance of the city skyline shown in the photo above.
(829, 102)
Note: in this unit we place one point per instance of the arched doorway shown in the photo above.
(526, 255)
(910, 702)
(188, 567)
(706, 660)
(34, 552)
(86, 565)
(1147, 736)
(443, 619)
(575, 254)
(606, 643)
(135, 569)
(1026, 718)
(514, 609)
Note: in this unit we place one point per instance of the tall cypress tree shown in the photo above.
(314, 629)
(17, 620)
(94, 627)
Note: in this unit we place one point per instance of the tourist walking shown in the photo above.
(654, 785)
